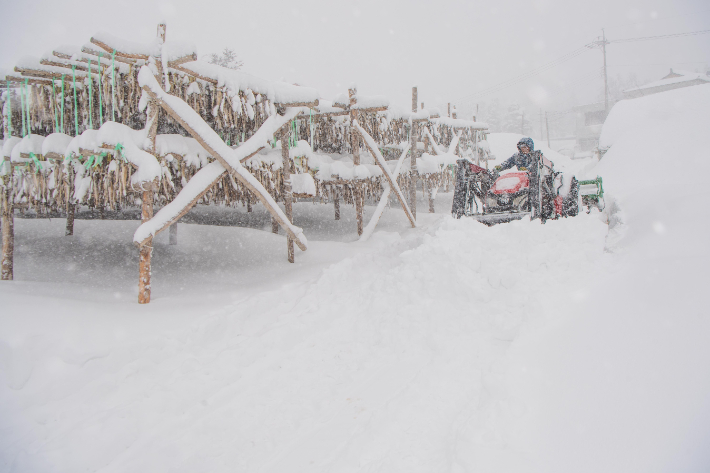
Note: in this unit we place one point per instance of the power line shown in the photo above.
(646, 38)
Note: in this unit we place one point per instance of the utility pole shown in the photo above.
(606, 84)
(601, 43)
(541, 129)
(547, 126)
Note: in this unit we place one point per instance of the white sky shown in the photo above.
(449, 49)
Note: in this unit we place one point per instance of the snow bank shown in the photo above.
(624, 382)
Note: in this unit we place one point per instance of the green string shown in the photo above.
(119, 150)
(113, 85)
(54, 107)
(100, 159)
(38, 166)
(101, 93)
(9, 110)
(89, 162)
(91, 101)
(62, 103)
(22, 106)
(76, 111)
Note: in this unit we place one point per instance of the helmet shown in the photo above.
(526, 142)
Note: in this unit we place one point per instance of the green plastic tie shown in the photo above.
(62, 103)
(89, 162)
(76, 111)
(310, 126)
(91, 100)
(9, 110)
(38, 166)
(22, 106)
(101, 93)
(113, 85)
(100, 159)
(119, 150)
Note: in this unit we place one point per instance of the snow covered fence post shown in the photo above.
(336, 201)
(413, 162)
(151, 125)
(355, 144)
(287, 194)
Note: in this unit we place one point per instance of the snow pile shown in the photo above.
(303, 184)
(624, 383)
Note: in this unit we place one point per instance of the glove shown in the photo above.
(522, 168)
(498, 168)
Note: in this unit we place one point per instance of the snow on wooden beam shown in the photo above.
(21, 80)
(183, 60)
(119, 53)
(94, 52)
(228, 158)
(372, 146)
(46, 62)
(367, 232)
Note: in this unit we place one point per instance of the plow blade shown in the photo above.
(493, 218)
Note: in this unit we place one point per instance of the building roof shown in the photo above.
(675, 78)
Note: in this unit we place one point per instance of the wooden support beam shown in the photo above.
(96, 53)
(46, 75)
(287, 193)
(110, 50)
(355, 145)
(189, 58)
(336, 202)
(21, 80)
(385, 170)
(176, 116)
(8, 229)
(46, 62)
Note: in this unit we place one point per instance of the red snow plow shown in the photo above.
(540, 192)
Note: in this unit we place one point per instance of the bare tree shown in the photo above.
(228, 59)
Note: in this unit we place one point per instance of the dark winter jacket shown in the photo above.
(520, 159)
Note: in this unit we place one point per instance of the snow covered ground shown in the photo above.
(578, 345)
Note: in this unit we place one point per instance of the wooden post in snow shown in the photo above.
(8, 227)
(274, 226)
(413, 162)
(336, 202)
(173, 233)
(71, 205)
(288, 194)
(355, 144)
(146, 249)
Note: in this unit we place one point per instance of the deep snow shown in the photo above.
(578, 345)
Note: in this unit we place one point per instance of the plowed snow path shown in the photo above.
(392, 359)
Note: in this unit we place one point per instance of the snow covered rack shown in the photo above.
(82, 126)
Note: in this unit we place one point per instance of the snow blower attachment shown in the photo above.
(592, 193)
(539, 192)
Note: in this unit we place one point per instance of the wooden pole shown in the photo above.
(173, 233)
(448, 109)
(287, 193)
(274, 226)
(71, 207)
(413, 160)
(336, 202)
(146, 249)
(355, 143)
(8, 229)
(547, 128)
